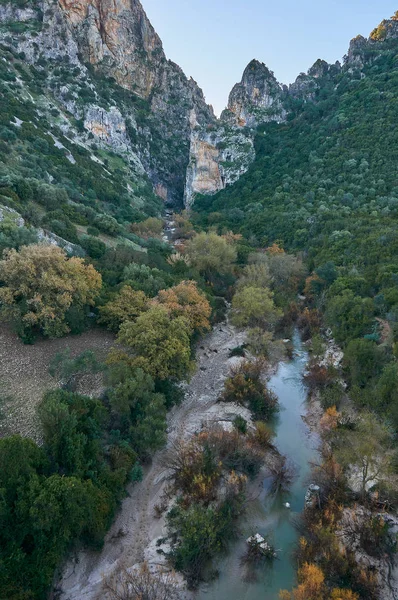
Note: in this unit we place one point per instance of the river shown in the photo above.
(267, 514)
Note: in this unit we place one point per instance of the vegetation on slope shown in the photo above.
(324, 184)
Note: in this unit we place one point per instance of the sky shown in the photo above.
(214, 40)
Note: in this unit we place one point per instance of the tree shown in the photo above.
(350, 316)
(365, 452)
(254, 307)
(141, 412)
(151, 227)
(185, 300)
(160, 346)
(363, 360)
(67, 368)
(40, 284)
(244, 386)
(142, 277)
(386, 391)
(255, 275)
(127, 305)
(210, 253)
(71, 426)
(312, 587)
(142, 584)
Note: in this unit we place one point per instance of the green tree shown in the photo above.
(160, 345)
(363, 361)
(126, 305)
(141, 412)
(365, 453)
(254, 307)
(210, 253)
(72, 427)
(349, 316)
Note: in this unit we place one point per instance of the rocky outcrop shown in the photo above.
(110, 44)
(116, 36)
(108, 126)
(256, 99)
(307, 84)
(217, 158)
(222, 152)
(363, 50)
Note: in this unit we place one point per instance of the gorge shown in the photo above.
(158, 266)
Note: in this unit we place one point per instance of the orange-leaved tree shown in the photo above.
(185, 300)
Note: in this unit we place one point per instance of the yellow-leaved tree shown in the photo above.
(210, 253)
(40, 284)
(254, 307)
(126, 305)
(312, 587)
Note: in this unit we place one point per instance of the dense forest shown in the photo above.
(324, 184)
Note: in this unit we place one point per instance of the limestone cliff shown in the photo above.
(222, 152)
(111, 45)
(256, 99)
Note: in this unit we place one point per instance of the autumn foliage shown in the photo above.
(185, 300)
(312, 587)
(40, 284)
(127, 305)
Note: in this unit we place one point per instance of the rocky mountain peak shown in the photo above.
(307, 84)
(319, 69)
(257, 98)
(385, 31)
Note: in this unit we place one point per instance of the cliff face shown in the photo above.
(222, 152)
(110, 45)
(256, 99)
(117, 39)
(105, 66)
(116, 36)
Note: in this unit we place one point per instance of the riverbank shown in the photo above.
(133, 535)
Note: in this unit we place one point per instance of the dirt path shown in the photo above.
(132, 537)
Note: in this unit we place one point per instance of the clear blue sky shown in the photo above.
(213, 40)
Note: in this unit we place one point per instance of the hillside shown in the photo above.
(290, 226)
(324, 184)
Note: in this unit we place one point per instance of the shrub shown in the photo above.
(93, 246)
(245, 387)
(240, 424)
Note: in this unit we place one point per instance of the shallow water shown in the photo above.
(268, 515)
